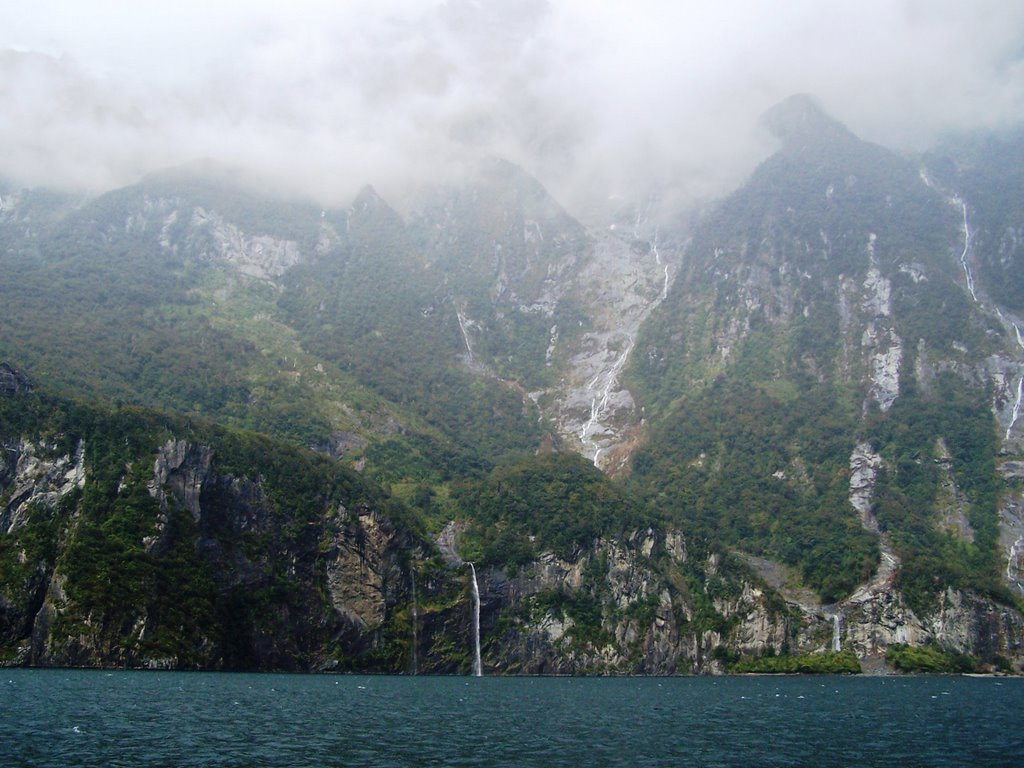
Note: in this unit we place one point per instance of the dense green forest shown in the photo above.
(366, 358)
(122, 555)
(753, 430)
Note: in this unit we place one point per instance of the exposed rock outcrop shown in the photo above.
(13, 382)
(34, 474)
(261, 572)
(880, 342)
(338, 589)
(365, 575)
(621, 283)
(626, 606)
(260, 256)
(180, 470)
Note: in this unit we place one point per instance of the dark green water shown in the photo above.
(77, 718)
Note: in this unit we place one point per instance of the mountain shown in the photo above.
(987, 173)
(791, 427)
(828, 386)
(140, 539)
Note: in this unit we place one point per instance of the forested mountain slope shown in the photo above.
(806, 408)
(828, 383)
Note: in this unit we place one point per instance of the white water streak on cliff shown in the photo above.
(415, 629)
(965, 264)
(967, 249)
(478, 669)
(624, 290)
(1012, 563)
(1017, 547)
(958, 202)
(1016, 407)
(464, 327)
(657, 258)
(1020, 384)
(837, 640)
(641, 220)
(603, 385)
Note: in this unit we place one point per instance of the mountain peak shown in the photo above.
(371, 210)
(368, 198)
(799, 118)
(369, 203)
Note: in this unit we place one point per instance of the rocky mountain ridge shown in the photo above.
(621, 606)
(809, 400)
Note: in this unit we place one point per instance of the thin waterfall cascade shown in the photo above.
(610, 344)
(415, 628)
(1012, 562)
(1016, 407)
(965, 256)
(606, 381)
(1020, 384)
(477, 665)
(837, 629)
(657, 258)
(965, 263)
(464, 327)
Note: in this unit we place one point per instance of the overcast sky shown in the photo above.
(594, 98)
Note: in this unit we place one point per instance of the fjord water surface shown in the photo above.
(85, 718)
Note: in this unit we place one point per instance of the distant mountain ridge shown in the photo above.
(821, 378)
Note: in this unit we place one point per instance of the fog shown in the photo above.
(596, 99)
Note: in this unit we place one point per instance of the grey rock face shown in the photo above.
(259, 256)
(34, 476)
(13, 382)
(181, 468)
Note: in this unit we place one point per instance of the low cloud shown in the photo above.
(595, 99)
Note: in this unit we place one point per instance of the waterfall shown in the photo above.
(967, 250)
(1020, 384)
(464, 327)
(1016, 407)
(657, 258)
(837, 640)
(958, 202)
(415, 621)
(1011, 563)
(641, 220)
(599, 403)
(625, 290)
(477, 666)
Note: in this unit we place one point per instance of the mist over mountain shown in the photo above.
(595, 101)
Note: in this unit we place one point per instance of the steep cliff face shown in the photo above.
(1011, 525)
(635, 605)
(550, 304)
(35, 481)
(642, 622)
(189, 565)
(342, 586)
(624, 279)
(113, 554)
(829, 328)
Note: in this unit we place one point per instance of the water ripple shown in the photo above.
(77, 718)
